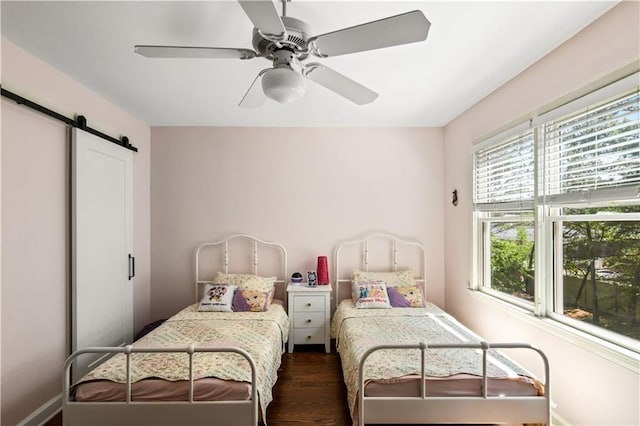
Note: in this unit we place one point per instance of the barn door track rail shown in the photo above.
(80, 122)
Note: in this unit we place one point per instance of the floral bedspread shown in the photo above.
(356, 330)
(261, 334)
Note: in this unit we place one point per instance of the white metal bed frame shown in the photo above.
(256, 243)
(431, 409)
(171, 413)
(364, 242)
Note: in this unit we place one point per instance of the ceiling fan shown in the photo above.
(287, 42)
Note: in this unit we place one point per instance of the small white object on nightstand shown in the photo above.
(309, 313)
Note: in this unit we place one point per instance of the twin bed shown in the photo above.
(204, 365)
(220, 367)
(406, 361)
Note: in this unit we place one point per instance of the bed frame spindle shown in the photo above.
(255, 258)
(395, 255)
(226, 256)
(485, 348)
(366, 255)
(127, 351)
(191, 350)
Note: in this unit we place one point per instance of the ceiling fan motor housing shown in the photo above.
(298, 32)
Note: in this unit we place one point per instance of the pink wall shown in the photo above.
(304, 188)
(34, 198)
(35, 226)
(0, 248)
(588, 388)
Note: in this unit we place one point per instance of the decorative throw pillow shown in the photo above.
(370, 294)
(217, 298)
(248, 282)
(406, 296)
(392, 279)
(251, 300)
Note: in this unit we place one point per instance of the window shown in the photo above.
(598, 263)
(557, 214)
(504, 182)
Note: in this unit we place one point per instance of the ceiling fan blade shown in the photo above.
(193, 52)
(408, 27)
(255, 97)
(265, 17)
(340, 84)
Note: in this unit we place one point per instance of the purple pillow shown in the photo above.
(396, 299)
(406, 297)
(250, 301)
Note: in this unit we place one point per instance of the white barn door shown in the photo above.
(102, 244)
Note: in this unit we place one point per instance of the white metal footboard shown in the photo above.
(467, 409)
(159, 413)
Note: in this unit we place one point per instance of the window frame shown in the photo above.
(548, 225)
(485, 264)
(556, 221)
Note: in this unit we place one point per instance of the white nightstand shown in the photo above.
(309, 315)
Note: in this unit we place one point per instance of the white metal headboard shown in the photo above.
(256, 244)
(392, 264)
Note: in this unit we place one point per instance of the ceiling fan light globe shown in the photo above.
(284, 85)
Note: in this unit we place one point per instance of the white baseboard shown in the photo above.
(556, 420)
(44, 413)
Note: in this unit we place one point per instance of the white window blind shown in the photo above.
(594, 154)
(504, 174)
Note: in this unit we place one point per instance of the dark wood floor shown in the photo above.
(309, 391)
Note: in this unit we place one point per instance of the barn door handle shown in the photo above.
(132, 266)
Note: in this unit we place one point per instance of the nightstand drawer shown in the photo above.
(308, 319)
(309, 336)
(306, 303)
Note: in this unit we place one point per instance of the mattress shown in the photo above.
(206, 389)
(218, 376)
(450, 372)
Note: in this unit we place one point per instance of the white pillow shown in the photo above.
(248, 282)
(371, 294)
(217, 298)
(392, 279)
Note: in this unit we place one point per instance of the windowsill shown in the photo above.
(610, 351)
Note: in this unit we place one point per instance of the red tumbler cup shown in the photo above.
(323, 271)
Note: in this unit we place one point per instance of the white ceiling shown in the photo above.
(473, 47)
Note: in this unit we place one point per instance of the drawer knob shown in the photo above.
(308, 337)
(308, 321)
(308, 304)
